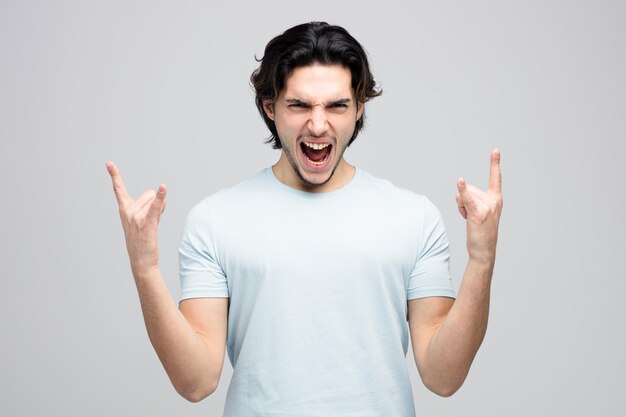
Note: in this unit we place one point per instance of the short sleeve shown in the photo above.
(200, 273)
(430, 276)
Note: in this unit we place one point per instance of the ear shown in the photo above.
(268, 107)
(360, 106)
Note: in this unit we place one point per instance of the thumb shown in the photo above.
(464, 194)
(158, 204)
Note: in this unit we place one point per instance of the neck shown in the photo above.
(285, 173)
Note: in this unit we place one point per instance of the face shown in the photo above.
(315, 116)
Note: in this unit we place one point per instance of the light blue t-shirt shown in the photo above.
(318, 286)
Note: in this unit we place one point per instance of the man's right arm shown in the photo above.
(189, 340)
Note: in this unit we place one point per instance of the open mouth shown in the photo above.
(316, 154)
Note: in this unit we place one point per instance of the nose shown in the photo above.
(318, 124)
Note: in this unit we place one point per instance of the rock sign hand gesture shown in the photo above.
(482, 211)
(140, 219)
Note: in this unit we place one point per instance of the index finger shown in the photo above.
(122, 196)
(495, 175)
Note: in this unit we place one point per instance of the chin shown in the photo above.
(314, 180)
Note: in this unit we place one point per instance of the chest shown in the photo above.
(325, 246)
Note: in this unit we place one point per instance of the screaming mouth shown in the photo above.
(316, 153)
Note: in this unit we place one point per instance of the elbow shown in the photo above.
(444, 388)
(194, 396)
(444, 391)
(194, 393)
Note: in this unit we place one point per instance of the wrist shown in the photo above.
(144, 272)
(482, 261)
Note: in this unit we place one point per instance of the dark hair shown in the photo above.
(307, 44)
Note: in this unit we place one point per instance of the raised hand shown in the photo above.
(482, 211)
(140, 219)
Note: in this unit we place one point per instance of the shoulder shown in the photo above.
(384, 188)
(229, 198)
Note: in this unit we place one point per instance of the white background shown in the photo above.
(162, 88)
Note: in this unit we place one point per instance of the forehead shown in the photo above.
(319, 83)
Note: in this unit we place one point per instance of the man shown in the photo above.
(308, 271)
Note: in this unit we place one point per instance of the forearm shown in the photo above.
(456, 340)
(449, 337)
(192, 367)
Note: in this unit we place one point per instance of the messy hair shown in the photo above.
(308, 44)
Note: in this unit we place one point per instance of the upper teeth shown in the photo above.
(316, 146)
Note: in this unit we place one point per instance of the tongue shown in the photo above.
(315, 155)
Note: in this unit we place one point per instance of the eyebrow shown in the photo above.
(332, 103)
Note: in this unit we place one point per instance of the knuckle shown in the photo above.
(124, 213)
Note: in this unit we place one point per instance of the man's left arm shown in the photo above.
(446, 333)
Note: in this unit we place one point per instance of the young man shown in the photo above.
(308, 272)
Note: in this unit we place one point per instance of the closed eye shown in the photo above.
(338, 106)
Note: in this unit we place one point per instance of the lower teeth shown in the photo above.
(320, 163)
